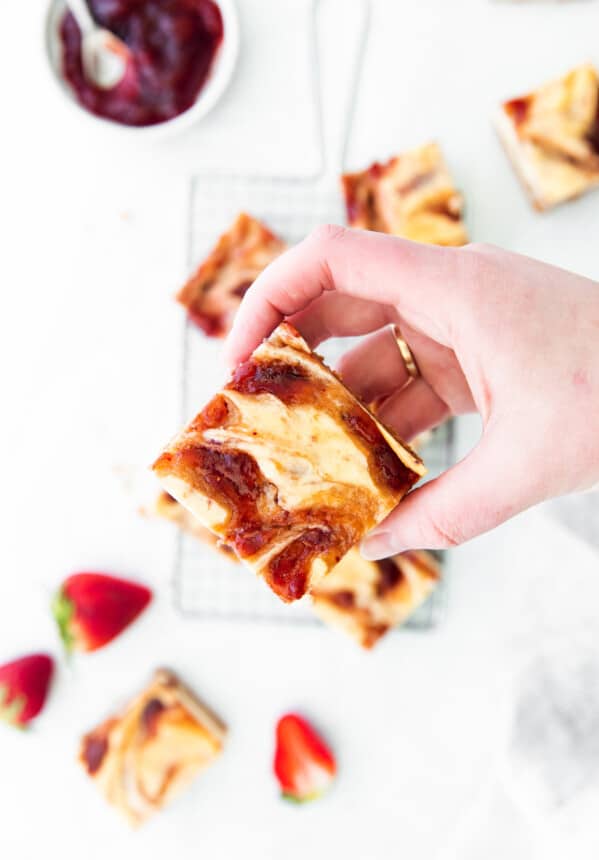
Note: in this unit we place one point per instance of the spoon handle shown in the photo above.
(82, 15)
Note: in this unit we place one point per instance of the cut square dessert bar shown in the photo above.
(214, 292)
(412, 195)
(368, 598)
(143, 757)
(551, 136)
(287, 466)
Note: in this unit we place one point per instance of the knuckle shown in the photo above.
(327, 233)
(481, 271)
(481, 261)
(446, 533)
(482, 249)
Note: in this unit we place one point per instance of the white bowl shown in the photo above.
(215, 85)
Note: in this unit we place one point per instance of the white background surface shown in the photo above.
(93, 245)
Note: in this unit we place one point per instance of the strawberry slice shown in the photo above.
(303, 764)
(91, 609)
(24, 687)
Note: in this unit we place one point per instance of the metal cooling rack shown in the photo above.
(207, 584)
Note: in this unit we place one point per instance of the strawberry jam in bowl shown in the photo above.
(180, 57)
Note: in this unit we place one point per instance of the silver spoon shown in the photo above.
(104, 56)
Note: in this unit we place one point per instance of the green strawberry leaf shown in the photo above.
(63, 610)
(294, 798)
(10, 713)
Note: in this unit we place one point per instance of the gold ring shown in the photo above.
(406, 354)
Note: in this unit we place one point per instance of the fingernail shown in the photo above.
(380, 545)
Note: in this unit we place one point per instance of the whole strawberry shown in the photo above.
(91, 609)
(24, 685)
(303, 764)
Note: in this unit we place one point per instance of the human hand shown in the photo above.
(497, 333)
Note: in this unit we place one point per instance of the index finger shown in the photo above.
(409, 275)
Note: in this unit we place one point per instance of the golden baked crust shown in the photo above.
(367, 598)
(286, 466)
(552, 137)
(214, 292)
(145, 756)
(412, 196)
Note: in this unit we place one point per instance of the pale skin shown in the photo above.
(492, 332)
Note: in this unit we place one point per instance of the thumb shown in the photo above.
(479, 493)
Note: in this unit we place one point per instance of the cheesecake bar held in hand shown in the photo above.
(287, 467)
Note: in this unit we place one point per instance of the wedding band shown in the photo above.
(406, 354)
